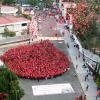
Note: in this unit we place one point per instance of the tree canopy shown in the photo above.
(82, 17)
(9, 84)
(9, 2)
(46, 3)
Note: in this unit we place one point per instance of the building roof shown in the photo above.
(7, 20)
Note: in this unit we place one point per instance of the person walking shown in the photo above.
(76, 57)
(77, 98)
(76, 66)
(79, 55)
(86, 77)
(81, 97)
(84, 98)
(83, 57)
(67, 45)
(87, 87)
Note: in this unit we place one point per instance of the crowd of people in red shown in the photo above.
(39, 60)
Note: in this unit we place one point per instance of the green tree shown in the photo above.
(9, 84)
(46, 3)
(33, 2)
(8, 33)
(9, 2)
(98, 81)
(0, 5)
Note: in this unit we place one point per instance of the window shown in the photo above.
(24, 24)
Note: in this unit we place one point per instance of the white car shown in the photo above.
(36, 8)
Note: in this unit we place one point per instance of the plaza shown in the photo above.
(66, 81)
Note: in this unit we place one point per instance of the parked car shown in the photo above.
(98, 88)
(36, 8)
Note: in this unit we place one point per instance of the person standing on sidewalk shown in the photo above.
(83, 57)
(79, 54)
(67, 45)
(76, 57)
(77, 98)
(86, 77)
(87, 87)
(84, 98)
(81, 97)
(76, 66)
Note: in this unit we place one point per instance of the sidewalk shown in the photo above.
(92, 56)
(81, 72)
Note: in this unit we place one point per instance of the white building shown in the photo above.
(8, 10)
(26, 9)
(16, 24)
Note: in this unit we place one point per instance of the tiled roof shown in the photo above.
(7, 20)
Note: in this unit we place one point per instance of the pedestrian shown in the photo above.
(76, 57)
(96, 97)
(86, 77)
(67, 45)
(81, 97)
(79, 55)
(38, 80)
(84, 97)
(77, 98)
(84, 59)
(77, 46)
(29, 41)
(76, 66)
(94, 77)
(63, 33)
(87, 87)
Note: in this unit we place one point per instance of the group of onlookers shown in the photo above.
(39, 60)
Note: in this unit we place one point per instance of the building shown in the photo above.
(8, 10)
(16, 24)
(27, 9)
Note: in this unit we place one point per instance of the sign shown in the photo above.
(52, 89)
